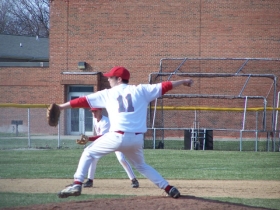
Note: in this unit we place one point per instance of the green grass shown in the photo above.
(13, 135)
(52, 143)
(217, 145)
(172, 164)
(22, 142)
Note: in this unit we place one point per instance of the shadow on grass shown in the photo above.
(232, 205)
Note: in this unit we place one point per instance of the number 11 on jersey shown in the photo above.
(129, 107)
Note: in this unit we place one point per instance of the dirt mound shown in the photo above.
(148, 196)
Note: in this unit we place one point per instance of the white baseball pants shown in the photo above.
(130, 144)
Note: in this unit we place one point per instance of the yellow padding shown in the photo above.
(211, 108)
(11, 105)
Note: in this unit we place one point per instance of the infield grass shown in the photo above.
(172, 164)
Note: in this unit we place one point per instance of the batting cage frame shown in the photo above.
(225, 90)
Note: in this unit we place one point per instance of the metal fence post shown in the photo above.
(58, 135)
(28, 123)
(154, 137)
(256, 143)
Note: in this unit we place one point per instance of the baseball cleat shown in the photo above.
(174, 192)
(88, 183)
(134, 183)
(72, 190)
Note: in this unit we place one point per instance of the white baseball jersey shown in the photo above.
(124, 102)
(102, 126)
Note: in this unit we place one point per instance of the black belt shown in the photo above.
(122, 132)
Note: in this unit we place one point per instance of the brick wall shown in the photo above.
(137, 34)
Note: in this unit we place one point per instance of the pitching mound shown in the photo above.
(144, 203)
(147, 196)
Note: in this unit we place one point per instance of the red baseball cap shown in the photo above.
(118, 71)
(95, 109)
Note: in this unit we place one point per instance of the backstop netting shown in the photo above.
(234, 98)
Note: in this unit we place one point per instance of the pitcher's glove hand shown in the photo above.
(53, 113)
(83, 140)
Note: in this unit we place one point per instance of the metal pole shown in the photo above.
(267, 141)
(240, 143)
(28, 122)
(192, 136)
(256, 143)
(242, 66)
(243, 125)
(58, 135)
(204, 138)
(274, 113)
(153, 125)
(244, 114)
(154, 137)
(264, 114)
(264, 124)
(276, 118)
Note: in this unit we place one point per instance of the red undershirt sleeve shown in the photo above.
(93, 138)
(79, 103)
(166, 86)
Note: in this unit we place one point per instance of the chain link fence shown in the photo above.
(22, 128)
(27, 128)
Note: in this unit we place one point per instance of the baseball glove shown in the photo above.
(84, 139)
(53, 113)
